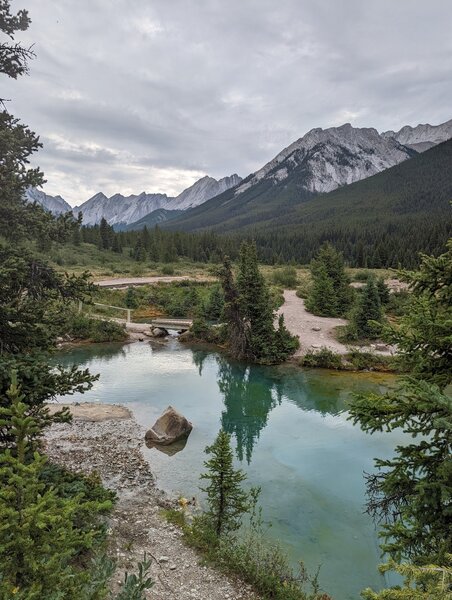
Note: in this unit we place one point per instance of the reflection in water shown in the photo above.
(84, 354)
(170, 450)
(199, 357)
(248, 398)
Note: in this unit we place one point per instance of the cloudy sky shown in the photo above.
(153, 94)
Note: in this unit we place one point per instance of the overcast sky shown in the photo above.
(133, 95)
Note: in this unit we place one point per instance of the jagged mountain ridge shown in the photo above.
(321, 161)
(423, 136)
(54, 204)
(332, 157)
(122, 210)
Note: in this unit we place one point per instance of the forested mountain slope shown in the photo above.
(399, 212)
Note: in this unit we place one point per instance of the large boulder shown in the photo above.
(169, 428)
(159, 332)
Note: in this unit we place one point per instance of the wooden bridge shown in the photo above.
(173, 324)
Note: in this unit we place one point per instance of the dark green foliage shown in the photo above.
(367, 361)
(397, 305)
(105, 235)
(412, 493)
(330, 294)
(131, 299)
(249, 313)
(41, 547)
(423, 335)
(383, 291)
(32, 296)
(226, 499)
(323, 359)
(82, 327)
(367, 316)
(213, 308)
(200, 328)
(382, 221)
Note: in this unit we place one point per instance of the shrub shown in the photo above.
(362, 275)
(285, 277)
(322, 359)
(167, 270)
(83, 327)
(362, 361)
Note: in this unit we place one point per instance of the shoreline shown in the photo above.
(107, 439)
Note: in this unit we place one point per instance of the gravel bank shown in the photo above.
(106, 440)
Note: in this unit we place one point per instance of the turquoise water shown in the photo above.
(290, 433)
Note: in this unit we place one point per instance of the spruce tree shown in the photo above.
(383, 291)
(368, 313)
(131, 300)
(39, 540)
(226, 499)
(330, 294)
(412, 493)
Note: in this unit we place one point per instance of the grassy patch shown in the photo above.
(257, 561)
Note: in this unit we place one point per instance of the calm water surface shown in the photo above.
(290, 433)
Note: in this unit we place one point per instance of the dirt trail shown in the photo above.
(119, 282)
(314, 332)
(107, 439)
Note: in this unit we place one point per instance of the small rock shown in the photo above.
(315, 328)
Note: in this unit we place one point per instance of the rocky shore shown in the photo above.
(108, 440)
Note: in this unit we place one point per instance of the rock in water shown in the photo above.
(169, 428)
(159, 332)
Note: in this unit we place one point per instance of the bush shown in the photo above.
(285, 277)
(362, 276)
(167, 270)
(82, 327)
(322, 359)
(398, 303)
(365, 361)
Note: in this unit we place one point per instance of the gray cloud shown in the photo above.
(153, 94)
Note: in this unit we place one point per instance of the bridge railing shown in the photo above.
(128, 311)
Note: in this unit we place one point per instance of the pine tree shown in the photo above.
(330, 294)
(227, 501)
(237, 335)
(106, 234)
(131, 299)
(39, 542)
(383, 291)
(412, 492)
(368, 312)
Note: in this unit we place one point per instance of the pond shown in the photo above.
(290, 434)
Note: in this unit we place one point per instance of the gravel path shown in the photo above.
(119, 282)
(110, 443)
(314, 332)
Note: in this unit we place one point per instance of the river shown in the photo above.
(290, 434)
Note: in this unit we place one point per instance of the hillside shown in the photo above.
(400, 211)
(156, 217)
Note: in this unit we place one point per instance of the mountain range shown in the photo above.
(121, 210)
(321, 161)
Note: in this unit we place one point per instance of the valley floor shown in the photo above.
(108, 440)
